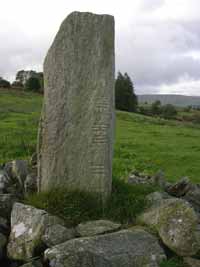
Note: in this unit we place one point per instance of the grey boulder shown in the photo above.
(128, 248)
(97, 227)
(56, 234)
(28, 225)
(177, 225)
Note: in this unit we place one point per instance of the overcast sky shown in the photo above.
(157, 41)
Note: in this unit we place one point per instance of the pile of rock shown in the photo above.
(31, 237)
(173, 214)
(15, 182)
(35, 234)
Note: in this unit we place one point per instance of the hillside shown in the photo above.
(143, 143)
(176, 100)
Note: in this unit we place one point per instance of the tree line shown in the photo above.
(125, 97)
(25, 80)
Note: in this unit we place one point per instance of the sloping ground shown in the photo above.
(144, 143)
(19, 115)
(176, 100)
(150, 144)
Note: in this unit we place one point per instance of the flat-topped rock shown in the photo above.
(97, 227)
(75, 144)
(135, 248)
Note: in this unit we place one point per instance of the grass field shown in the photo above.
(150, 144)
(143, 143)
(19, 114)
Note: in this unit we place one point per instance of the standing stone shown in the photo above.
(75, 143)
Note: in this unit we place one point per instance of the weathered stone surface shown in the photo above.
(180, 188)
(30, 183)
(159, 179)
(193, 197)
(190, 262)
(3, 181)
(57, 234)
(33, 160)
(28, 225)
(98, 227)
(139, 179)
(125, 248)
(75, 143)
(177, 225)
(156, 198)
(17, 171)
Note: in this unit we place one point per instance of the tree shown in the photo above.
(4, 83)
(169, 111)
(33, 84)
(125, 98)
(17, 85)
(156, 108)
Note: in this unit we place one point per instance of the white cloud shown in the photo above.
(157, 41)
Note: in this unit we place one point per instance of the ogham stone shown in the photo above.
(75, 143)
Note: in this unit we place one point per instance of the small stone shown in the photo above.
(133, 179)
(30, 184)
(159, 179)
(33, 160)
(3, 181)
(57, 234)
(17, 171)
(180, 188)
(98, 227)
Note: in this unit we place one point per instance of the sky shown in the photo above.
(157, 41)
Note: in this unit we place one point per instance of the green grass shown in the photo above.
(19, 115)
(142, 143)
(124, 204)
(173, 262)
(150, 144)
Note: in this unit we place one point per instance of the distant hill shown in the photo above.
(176, 100)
